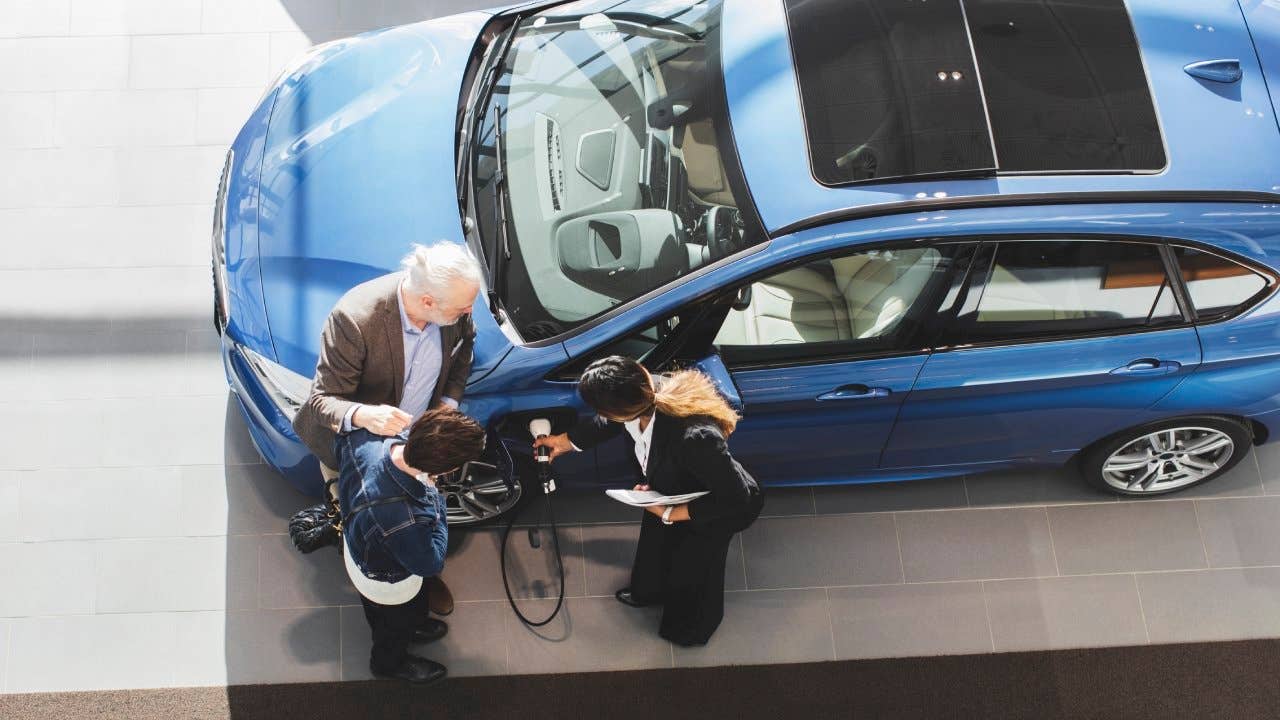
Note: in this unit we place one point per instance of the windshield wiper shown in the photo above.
(502, 252)
(467, 140)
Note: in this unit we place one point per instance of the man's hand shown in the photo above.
(384, 420)
(558, 444)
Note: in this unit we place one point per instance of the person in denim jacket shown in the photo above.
(395, 533)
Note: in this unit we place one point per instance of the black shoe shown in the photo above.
(431, 631)
(626, 598)
(416, 670)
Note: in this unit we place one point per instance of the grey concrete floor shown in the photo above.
(141, 538)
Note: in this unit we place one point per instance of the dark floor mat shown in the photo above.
(1205, 680)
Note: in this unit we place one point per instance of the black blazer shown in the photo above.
(687, 455)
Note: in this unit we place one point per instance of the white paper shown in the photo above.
(647, 498)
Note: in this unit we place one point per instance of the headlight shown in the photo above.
(288, 389)
(221, 298)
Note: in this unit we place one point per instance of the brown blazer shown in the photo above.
(362, 362)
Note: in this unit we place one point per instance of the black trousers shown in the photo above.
(393, 627)
(682, 566)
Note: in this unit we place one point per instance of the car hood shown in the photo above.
(359, 165)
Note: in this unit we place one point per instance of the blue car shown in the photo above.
(907, 238)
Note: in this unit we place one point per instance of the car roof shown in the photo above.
(1218, 137)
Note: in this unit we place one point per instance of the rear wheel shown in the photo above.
(1166, 456)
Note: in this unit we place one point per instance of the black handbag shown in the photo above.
(317, 526)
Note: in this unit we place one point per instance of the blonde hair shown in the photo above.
(685, 393)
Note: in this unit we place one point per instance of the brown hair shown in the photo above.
(619, 387)
(441, 440)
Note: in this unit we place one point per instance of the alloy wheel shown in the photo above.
(468, 502)
(1168, 459)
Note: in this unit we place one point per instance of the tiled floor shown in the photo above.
(141, 537)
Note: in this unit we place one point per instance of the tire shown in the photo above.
(1154, 459)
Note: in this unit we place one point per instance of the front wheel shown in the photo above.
(480, 494)
(1166, 456)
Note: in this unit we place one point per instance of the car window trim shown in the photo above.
(1177, 283)
(964, 202)
(835, 358)
(1272, 278)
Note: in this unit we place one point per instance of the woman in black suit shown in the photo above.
(680, 425)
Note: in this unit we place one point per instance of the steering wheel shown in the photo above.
(724, 230)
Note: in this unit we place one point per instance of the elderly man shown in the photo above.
(392, 348)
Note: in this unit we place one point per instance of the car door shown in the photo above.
(823, 354)
(1058, 343)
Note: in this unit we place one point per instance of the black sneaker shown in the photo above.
(431, 631)
(416, 670)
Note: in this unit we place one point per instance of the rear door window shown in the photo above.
(1043, 289)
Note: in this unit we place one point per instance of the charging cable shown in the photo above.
(540, 427)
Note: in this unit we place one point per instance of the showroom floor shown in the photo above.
(141, 538)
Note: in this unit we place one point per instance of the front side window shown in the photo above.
(872, 301)
(603, 167)
(1217, 286)
(907, 88)
(1043, 289)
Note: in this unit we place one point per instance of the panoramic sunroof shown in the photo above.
(890, 88)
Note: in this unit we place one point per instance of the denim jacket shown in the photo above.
(394, 524)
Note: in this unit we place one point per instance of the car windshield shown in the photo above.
(603, 167)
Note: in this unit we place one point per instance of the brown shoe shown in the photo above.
(440, 599)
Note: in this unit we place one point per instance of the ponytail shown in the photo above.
(688, 392)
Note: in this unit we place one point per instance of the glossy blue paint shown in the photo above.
(1240, 374)
(1223, 71)
(358, 167)
(1263, 19)
(1205, 123)
(355, 161)
(268, 427)
(1033, 400)
(782, 410)
(248, 320)
(713, 367)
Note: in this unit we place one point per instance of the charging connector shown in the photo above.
(540, 428)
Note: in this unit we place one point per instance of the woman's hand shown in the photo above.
(558, 444)
(679, 513)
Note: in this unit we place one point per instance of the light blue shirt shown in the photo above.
(422, 359)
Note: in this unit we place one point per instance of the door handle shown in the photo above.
(854, 392)
(1148, 366)
(1223, 71)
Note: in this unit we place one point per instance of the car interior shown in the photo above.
(854, 297)
(613, 157)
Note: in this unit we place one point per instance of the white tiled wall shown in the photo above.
(132, 510)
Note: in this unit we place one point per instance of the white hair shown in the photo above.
(431, 269)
